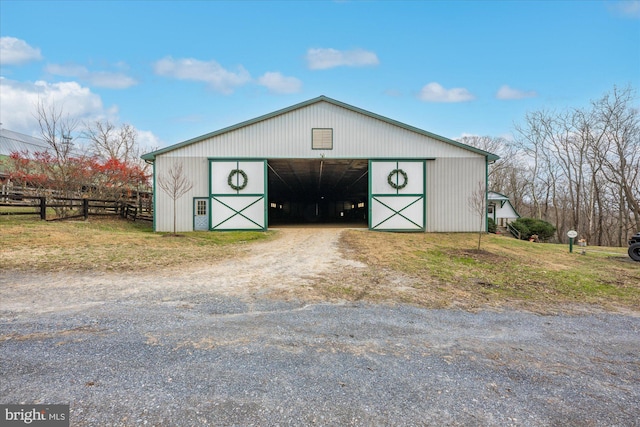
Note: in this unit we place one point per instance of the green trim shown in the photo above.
(155, 206)
(424, 183)
(210, 186)
(217, 199)
(261, 196)
(369, 196)
(152, 155)
(421, 197)
(208, 199)
(266, 194)
(486, 196)
(237, 195)
(514, 209)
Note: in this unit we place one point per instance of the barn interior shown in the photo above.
(318, 191)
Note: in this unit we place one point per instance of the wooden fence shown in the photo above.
(78, 207)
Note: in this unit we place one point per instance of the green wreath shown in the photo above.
(404, 177)
(245, 180)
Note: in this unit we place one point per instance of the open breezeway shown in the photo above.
(318, 191)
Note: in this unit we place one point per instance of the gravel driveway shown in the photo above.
(214, 346)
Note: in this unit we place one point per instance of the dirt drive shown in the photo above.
(250, 340)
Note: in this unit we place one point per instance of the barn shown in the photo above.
(319, 162)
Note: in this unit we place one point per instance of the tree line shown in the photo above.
(578, 168)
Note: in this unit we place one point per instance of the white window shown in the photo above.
(201, 207)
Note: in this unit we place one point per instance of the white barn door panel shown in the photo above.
(238, 194)
(397, 195)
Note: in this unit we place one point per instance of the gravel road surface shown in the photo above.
(205, 347)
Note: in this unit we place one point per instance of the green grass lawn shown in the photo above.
(505, 269)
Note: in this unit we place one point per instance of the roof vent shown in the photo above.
(322, 139)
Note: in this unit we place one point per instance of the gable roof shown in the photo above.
(152, 155)
(494, 195)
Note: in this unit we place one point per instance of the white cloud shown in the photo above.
(18, 102)
(628, 9)
(434, 92)
(320, 59)
(506, 92)
(14, 51)
(219, 78)
(277, 83)
(95, 78)
(147, 141)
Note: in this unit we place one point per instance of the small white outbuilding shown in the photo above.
(500, 209)
(321, 161)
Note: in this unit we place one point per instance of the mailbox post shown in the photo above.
(572, 235)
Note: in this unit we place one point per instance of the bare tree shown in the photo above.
(619, 150)
(56, 129)
(500, 169)
(478, 206)
(119, 149)
(67, 167)
(176, 185)
(540, 165)
(110, 142)
(583, 167)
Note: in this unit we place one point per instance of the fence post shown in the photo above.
(85, 208)
(43, 208)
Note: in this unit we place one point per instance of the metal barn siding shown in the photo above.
(452, 170)
(196, 169)
(288, 135)
(450, 183)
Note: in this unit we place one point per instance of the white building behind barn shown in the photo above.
(321, 161)
(500, 209)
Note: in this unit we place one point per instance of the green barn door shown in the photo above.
(397, 195)
(238, 194)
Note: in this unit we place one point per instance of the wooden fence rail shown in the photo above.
(83, 206)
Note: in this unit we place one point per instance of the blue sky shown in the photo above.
(176, 70)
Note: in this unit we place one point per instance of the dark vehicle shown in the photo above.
(634, 247)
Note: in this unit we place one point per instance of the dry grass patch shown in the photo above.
(107, 244)
(443, 270)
